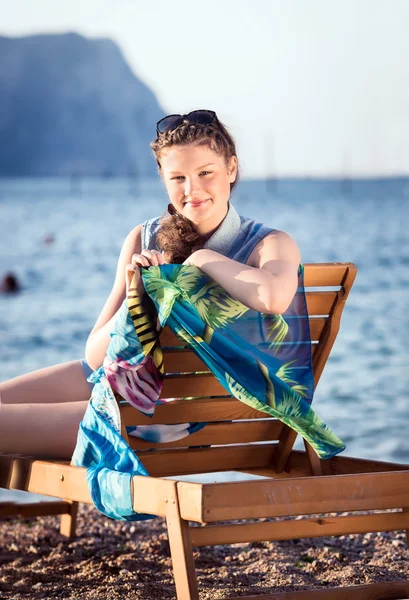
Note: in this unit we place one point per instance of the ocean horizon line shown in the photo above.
(250, 179)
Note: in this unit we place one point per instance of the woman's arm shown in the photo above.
(267, 283)
(130, 261)
(98, 339)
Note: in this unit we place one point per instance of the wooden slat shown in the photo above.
(33, 509)
(168, 338)
(183, 361)
(317, 325)
(317, 302)
(220, 434)
(343, 465)
(48, 478)
(320, 303)
(211, 535)
(161, 463)
(388, 590)
(61, 480)
(192, 385)
(186, 361)
(287, 497)
(151, 495)
(299, 466)
(323, 274)
(298, 471)
(183, 411)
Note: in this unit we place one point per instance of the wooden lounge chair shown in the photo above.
(296, 483)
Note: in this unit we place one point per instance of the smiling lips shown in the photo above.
(196, 203)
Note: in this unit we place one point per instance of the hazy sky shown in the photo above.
(307, 87)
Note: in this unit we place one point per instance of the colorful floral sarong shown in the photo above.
(262, 360)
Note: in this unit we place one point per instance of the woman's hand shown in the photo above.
(147, 258)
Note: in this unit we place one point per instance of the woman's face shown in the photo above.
(198, 184)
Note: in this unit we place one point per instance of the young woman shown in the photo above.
(40, 412)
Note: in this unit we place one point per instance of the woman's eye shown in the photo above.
(179, 177)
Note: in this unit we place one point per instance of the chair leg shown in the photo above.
(316, 465)
(69, 520)
(407, 532)
(181, 552)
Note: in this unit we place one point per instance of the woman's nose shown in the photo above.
(192, 188)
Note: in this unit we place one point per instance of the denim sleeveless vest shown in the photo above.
(236, 237)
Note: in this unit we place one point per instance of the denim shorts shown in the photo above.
(87, 371)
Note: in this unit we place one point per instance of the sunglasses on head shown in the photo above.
(201, 117)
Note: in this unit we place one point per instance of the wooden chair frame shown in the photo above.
(297, 482)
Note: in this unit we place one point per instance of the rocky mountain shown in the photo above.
(72, 106)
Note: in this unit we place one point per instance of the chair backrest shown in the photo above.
(227, 442)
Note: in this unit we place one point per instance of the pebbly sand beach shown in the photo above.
(117, 560)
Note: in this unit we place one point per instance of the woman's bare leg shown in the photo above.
(40, 412)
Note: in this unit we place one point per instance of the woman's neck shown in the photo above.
(207, 228)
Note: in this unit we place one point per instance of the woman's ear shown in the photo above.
(232, 169)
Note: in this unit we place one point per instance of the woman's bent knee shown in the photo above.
(65, 382)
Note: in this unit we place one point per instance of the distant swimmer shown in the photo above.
(10, 284)
(49, 239)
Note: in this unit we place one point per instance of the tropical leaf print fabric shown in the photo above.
(262, 360)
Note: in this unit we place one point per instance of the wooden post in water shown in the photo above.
(271, 180)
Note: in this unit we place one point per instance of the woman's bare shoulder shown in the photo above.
(276, 245)
(135, 233)
(133, 241)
